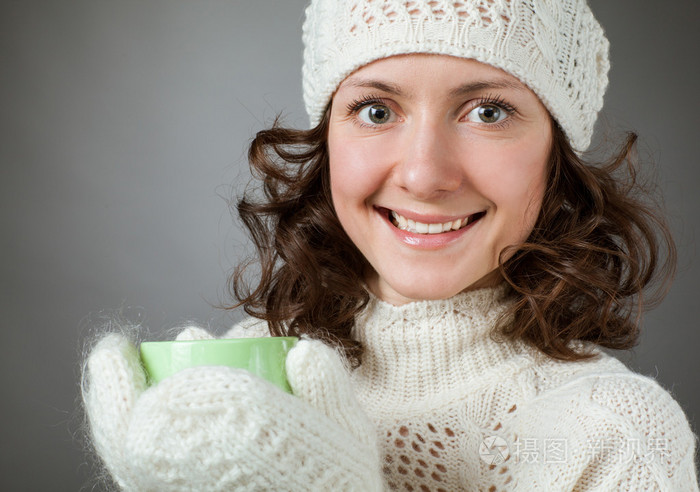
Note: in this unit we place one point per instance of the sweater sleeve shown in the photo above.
(615, 432)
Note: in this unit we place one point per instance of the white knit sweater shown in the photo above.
(437, 404)
(457, 410)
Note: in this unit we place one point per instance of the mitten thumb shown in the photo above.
(112, 382)
(192, 333)
(318, 375)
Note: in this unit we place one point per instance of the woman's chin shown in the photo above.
(402, 291)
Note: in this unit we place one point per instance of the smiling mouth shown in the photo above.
(409, 225)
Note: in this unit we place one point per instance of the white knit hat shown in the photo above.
(556, 47)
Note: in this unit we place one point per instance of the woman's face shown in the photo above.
(437, 164)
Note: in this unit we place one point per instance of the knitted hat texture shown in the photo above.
(556, 47)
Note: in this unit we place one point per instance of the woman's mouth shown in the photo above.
(410, 225)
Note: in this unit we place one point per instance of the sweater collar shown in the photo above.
(421, 349)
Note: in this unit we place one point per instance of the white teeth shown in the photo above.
(421, 228)
(402, 222)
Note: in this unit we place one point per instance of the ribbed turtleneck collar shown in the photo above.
(421, 349)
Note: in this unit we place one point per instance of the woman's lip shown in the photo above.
(426, 241)
(424, 218)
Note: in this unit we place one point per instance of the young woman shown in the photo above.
(439, 229)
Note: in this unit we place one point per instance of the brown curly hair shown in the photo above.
(581, 274)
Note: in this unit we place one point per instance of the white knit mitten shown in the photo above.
(220, 429)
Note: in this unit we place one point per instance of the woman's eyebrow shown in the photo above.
(481, 85)
(375, 84)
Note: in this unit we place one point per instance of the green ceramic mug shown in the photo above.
(264, 357)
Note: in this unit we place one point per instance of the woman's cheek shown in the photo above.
(515, 184)
(357, 170)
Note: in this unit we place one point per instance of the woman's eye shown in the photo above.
(487, 113)
(375, 114)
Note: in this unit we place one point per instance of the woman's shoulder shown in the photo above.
(603, 386)
(615, 425)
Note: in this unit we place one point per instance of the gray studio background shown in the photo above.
(124, 125)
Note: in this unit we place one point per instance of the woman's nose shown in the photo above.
(429, 165)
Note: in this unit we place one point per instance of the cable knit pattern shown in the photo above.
(437, 386)
(556, 47)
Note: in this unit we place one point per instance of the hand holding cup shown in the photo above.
(218, 428)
